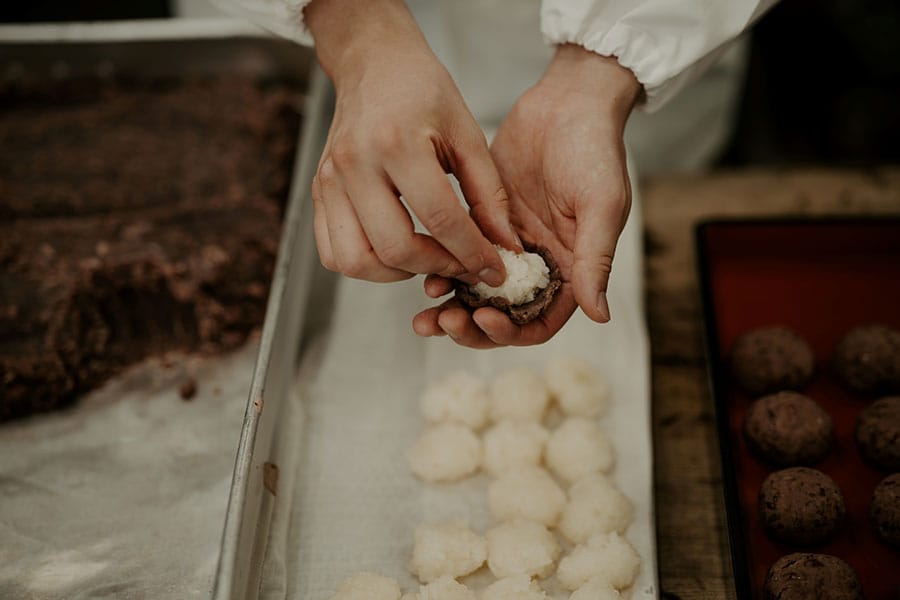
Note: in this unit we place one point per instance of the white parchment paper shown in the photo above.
(123, 495)
(349, 502)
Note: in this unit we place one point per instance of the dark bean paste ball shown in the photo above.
(884, 512)
(878, 433)
(801, 506)
(804, 576)
(788, 429)
(771, 359)
(867, 359)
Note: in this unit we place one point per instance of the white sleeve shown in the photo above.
(281, 17)
(665, 43)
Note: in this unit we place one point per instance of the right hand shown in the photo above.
(400, 125)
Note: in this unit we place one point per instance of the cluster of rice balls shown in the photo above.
(536, 437)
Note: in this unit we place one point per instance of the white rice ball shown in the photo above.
(526, 273)
(518, 394)
(446, 549)
(446, 588)
(459, 397)
(445, 452)
(595, 506)
(596, 589)
(521, 548)
(511, 444)
(578, 448)
(526, 493)
(367, 586)
(517, 587)
(579, 389)
(608, 557)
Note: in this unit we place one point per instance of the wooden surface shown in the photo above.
(693, 551)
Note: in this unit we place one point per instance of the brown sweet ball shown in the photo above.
(788, 429)
(519, 311)
(771, 359)
(878, 433)
(884, 512)
(801, 506)
(805, 576)
(867, 359)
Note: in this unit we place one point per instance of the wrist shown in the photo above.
(349, 34)
(576, 70)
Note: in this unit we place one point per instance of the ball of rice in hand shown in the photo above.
(607, 557)
(595, 506)
(445, 452)
(580, 390)
(459, 397)
(517, 587)
(446, 588)
(367, 586)
(596, 589)
(578, 448)
(446, 549)
(526, 493)
(518, 394)
(511, 444)
(521, 548)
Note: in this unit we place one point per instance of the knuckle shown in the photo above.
(326, 176)
(344, 157)
(359, 265)
(441, 219)
(389, 140)
(397, 253)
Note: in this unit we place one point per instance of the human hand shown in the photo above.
(561, 157)
(399, 125)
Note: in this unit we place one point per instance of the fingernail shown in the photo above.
(490, 276)
(516, 237)
(603, 306)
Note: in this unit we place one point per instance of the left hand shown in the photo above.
(561, 157)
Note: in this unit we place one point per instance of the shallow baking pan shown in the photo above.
(819, 278)
(183, 48)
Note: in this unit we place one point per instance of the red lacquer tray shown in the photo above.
(820, 278)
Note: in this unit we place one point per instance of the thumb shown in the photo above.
(484, 192)
(597, 229)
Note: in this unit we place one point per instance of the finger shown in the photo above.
(320, 229)
(597, 228)
(501, 330)
(390, 229)
(484, 192)
(426, 324)
(429, 194)
(458, 324)
(353, 254)
(437, 286)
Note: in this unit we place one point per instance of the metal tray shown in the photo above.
(173, 48)
(255, 479)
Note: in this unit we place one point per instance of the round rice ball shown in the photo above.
(517, 587)
(511, 444)
(595, 506)
(446, 588)
(518, 394)
(521, 548)
(458, 398)
(445, 452)
(526, 272)
(596, 589)
(578, 388)
(446, 549)
(577, 448)
(608, 557)
(526, 493)
(367, 586)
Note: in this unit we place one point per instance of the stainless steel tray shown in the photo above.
(150, 49)
(255, 479)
